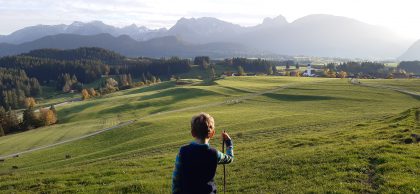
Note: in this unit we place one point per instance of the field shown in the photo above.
(407, 84)
(291, 135)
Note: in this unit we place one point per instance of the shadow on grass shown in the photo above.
(236, 89)
(68, 113)
(309, 89)
(207, 83)
(176, 95)
(290, 97)
(179, 94)
(417, 97)
(160, 86)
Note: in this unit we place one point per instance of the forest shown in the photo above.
(367, 70)
(15, 87)
(22, 75)
(410, 66)
(89, 64)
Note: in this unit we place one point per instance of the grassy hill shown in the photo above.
(291, 135)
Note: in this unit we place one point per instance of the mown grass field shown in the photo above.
(308, 135)
(408, 84)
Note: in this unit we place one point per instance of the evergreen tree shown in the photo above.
(153, 79)
(212, 73)
(143, 78)
(12, 122)
(2, 118)
(2, 133)
(274, 69)
(129, 80)
(30, 119)
(52, 107)
(202, 61)
(15, 86)
(269, 70)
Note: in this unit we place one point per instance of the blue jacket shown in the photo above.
(195, 168)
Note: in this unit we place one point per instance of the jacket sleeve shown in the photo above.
(228, 157)
(176, 184)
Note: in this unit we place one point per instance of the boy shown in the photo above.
(196, 163)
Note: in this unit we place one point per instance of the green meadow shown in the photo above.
(291, 135)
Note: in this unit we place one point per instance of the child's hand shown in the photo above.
(225, 136)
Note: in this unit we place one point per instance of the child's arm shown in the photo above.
(228, 157)
(175, 176)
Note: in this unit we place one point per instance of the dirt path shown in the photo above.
(69, 140)
(60, 104)
(122, 124)
(404, 91)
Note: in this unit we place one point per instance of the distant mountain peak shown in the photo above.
(77, 23)
(96, 22)
(201, 20)
(312, 35)
(133, 26)
(276, 20)
(323, 18)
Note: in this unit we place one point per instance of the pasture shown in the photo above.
(291, 135)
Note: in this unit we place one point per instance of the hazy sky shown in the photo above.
(402, 16)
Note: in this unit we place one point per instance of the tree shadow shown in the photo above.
(175, 95)
(291, 97)
(309, 89)
(160, 86)
(67, 114)
(236, 89)
(417, 97)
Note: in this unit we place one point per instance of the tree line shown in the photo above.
(89, 70)
(10, 123)
(251, 65)
(410, 66)
(87, 53)
(363, 70)
(46, 70)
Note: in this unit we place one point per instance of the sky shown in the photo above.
(401, 16)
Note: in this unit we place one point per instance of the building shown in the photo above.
(308, 71)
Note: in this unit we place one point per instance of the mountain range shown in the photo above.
(312, 35)
(412, 53)
(158, 47)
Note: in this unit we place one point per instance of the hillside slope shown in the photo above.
(412, 53)
(320, 137)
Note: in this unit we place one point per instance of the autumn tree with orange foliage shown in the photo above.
(92, 92)
(29, 102)
(48, 117)
(342, 74)
(85, 94)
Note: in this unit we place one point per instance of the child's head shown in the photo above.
(202, 126)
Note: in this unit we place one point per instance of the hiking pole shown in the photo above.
(224, 167)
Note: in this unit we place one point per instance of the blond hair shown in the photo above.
(202, 125)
